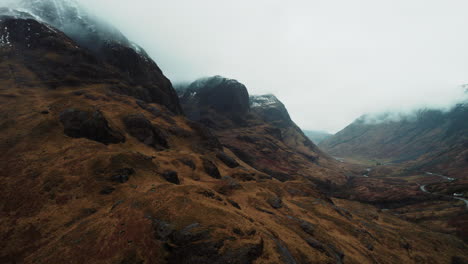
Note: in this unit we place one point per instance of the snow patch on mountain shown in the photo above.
(5, 38)
(74, 20)
(267, 100)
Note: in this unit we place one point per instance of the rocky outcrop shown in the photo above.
(226, 159)
(91, 125)
(210, 168)
(141, 128)
(196, 244)
(225, 97)
(171, 176)
(270, 109)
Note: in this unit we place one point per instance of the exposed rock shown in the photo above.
(280, 176)
(142, 129)
(329, 250)
(233, 203)
(210, 195)
(210, 168)
(171, 176)
(122, 175)
(107, 190)
(195, 245)
(237, 231)
(162, 230)
(223, 95)
(230, 162)
(316, 244)
(270, 109)
(307, 227)
(286, 255)
(208, 139)
(188, 162)
(91, 125)
(243, 155)
(275, 202)
(275, 132)
(244, 176)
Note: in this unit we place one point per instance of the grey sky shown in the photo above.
(329, 61)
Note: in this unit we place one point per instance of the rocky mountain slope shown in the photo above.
(430, 140)
(107, 45)
(100, 166)
(259, 130)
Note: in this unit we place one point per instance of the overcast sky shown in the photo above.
(329, 61)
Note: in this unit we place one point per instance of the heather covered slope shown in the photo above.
(92, 174)
(431, 140)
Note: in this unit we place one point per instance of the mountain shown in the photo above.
(259, 130)
(430, 139)
(100, 165)
(107, 44)
(317, 136)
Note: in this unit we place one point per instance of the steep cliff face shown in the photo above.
(428, 139)
(108, 45)
(215, 101)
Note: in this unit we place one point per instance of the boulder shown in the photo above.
(171, 176)
(210, 168)
(275, 202)
(91, 125)
(230, 162)
(122, 175)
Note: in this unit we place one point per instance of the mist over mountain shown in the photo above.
(436, 138)
(355, 58)
(317, 136)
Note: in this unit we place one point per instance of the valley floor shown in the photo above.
(431, 199)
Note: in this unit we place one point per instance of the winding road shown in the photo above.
(423, 187)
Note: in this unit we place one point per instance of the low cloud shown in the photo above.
(328, 61)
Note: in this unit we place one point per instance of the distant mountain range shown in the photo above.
(429, 139)
(317, 136)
